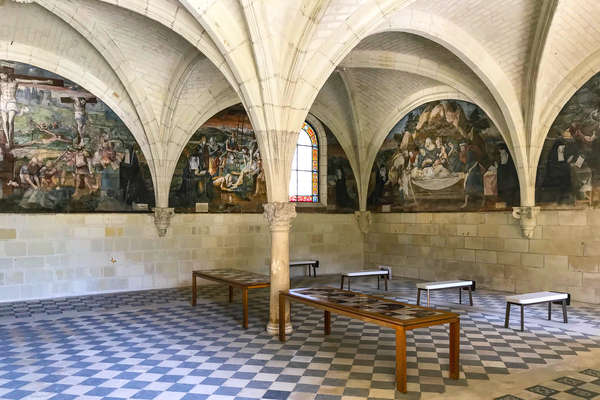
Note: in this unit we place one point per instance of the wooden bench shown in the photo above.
(306, 263)
(233, 278)
(527, 299)
(429, 286)
(401, 317)
(382, 272)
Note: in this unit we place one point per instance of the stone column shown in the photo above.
(280, 216)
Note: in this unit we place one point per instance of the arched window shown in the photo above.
(304, 182)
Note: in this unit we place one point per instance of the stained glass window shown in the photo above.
(304, 182)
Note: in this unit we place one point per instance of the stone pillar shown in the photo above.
(280, 216)
(527, 215)
(162, 219)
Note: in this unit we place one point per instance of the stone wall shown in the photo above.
(563, 254)
(45, 256)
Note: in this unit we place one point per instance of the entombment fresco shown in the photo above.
(220, 168)
(569, 167)
(64, 150)
(443, 156)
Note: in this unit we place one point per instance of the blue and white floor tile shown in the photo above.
(154, 345)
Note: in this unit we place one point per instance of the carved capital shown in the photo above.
(162, 219)
(364, 220)
(279, 215)
(527, 215)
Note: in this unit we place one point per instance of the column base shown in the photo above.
(273, 328)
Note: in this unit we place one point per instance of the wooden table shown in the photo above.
(392, 314)
(233, 278)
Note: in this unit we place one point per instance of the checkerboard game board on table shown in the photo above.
(156, 346)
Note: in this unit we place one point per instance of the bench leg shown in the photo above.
(386, 278)
(378, 279)
(401, 359)
(460, 295)
(564, 307)
(522, 317)
(507, 317)
(549, 310)
(230, 294)
(427, 297)
(348, 283)
(470, 296)
(327, 324)
(194, 290)
(315, 266)
(418, 297)
(342, 284)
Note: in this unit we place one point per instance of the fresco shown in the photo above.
(220, 169)
(342, 192)
(569, 167)
(443, 156)
(63, 150)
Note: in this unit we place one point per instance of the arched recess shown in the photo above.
(443, 156)
(568, 169)
(65, 150)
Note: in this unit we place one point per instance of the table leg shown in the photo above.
(245, 306)
(470, 296)
(342, 284)
(418, 297)
(549, 310)
(194, 290)
(281, 318)
(315, 266)
(378, 279)
(459, 295)
(327, 324)
(401, 359)
(507, 317)
(454, 348)
(387, 278)
(522, 317)
(230, 294)
(564, 307)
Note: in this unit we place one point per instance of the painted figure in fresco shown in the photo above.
(79, 104)
(557, 182)
(474, 176)
(8, 102)
(507, 179)
(83, 171)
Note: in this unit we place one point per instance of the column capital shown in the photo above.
(162, 219)
(527, 215)
(279, 214)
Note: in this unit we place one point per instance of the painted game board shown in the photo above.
(243, 278)
(364, 303)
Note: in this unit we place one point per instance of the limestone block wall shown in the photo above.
(44, 256)
(563, 255)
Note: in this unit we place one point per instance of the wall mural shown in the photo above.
(63, 150)
(220, 169)
(443, 156)
(342, 191)
(569, 167)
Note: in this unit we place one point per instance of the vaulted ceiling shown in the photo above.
(166, 66)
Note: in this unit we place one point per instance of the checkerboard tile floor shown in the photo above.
(579, 385)
(154, 345)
